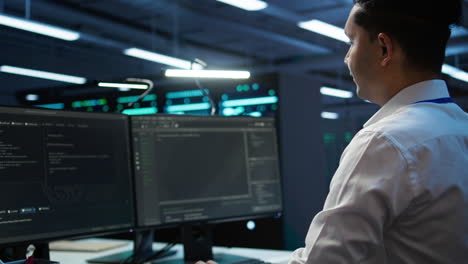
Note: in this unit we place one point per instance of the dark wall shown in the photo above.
(8, 100)
(302, 155)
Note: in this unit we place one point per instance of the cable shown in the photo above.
(133, 258)
(146, 92)
(158, 253)
(130, 258)
(204, 92)
(162, 252)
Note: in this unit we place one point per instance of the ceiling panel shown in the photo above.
(222, 35)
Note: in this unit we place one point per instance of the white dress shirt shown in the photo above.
(400, 193)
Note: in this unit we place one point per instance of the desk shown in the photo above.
(273, 256)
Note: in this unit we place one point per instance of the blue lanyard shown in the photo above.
(445, 100)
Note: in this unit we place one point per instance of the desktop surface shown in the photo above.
(267, 255)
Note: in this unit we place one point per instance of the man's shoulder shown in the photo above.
(415, 124)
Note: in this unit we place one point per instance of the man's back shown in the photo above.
(400, 194)
(433, 139)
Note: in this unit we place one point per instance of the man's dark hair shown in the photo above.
(421, 27)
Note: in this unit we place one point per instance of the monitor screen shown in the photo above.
(63, 174)
(204, 168)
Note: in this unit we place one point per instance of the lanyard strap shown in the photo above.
(445, 100)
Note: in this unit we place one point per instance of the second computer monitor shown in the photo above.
(63, 174)
(203, 168)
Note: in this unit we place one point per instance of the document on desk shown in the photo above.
(85, 245)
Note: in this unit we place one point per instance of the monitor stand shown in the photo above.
(18, 252)
(142, 248)
(198, 243)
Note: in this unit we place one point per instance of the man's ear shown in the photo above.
(387, 49)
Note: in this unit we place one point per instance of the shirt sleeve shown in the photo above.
(369, 190)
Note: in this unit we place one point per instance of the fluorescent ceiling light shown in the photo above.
(188, 107)
(255, 114)
(325, 29)
(123, 85)
(231, 111)
(455, 72)
(163, 59)
(39, 28)
(141, 111)
(336, 92)
(249, 5)
(251, 101)
(129, 99)
(52, 106)
(208, 74)
(42, 74)
(32, 97)
(184, 94)
(458, 31)
(330, 115)
(88, 103)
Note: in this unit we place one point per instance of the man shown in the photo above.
(400, 193)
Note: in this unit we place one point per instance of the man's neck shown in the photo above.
(397, 85)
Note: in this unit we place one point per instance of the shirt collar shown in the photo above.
(426, 90)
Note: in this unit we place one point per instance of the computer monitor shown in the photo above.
(63, 174)
(201, 169)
